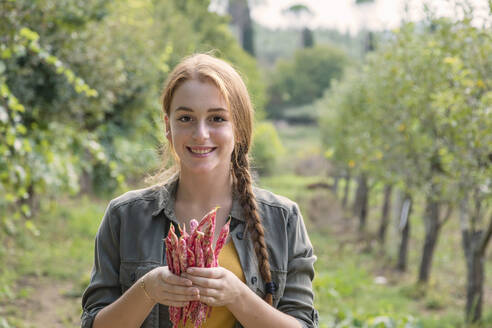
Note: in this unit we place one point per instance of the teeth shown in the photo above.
(199, 151)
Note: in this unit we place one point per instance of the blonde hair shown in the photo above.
(207, 68)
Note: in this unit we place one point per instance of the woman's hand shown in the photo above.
(218, 286)
(169, 289)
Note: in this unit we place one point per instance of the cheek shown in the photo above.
(226, 135)
(178, 134)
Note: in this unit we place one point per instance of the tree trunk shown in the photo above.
(474, 243)
(475, 274)
(431, 221)
(336, 179)
(346, 190)
(85, 182)
(404, 227)
(385, 215)
(31, 200)
(360, 206)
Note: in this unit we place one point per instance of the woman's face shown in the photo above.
(200, 128)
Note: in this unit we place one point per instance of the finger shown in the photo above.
(204, 272)
(179, 290)
(205, 282)
(208, 292)
(175, 279)
(208, 300)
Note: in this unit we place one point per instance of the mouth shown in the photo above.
(201, 151)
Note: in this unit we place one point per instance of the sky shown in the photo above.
(345, 15)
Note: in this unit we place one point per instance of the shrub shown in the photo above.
(267, 148)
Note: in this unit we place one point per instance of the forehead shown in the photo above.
(198, 95)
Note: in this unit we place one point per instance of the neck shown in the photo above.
(205, 191)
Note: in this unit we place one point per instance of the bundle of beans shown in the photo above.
(194, 249)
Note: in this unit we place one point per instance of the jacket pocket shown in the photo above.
(131, 272)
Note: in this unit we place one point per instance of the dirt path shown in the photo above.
(47, 303)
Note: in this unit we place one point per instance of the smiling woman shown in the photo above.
(200, 128)
(267, 264)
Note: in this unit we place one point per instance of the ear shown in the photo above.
(168, 129)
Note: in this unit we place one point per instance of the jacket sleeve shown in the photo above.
(298, 296)
(104, 287)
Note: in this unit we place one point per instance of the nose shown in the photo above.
(201, 131)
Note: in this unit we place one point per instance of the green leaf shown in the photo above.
(4, 117)
(6, 53)
(27, 146)
(21, 128)
(4, 90)
(29, 34)
(9, 226)
(32, 228)
(10, 139)
(69, 75)
(10, 198)
(26, 210)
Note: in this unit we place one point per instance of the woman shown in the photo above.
(266, 266)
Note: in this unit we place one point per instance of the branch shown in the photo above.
(446, 217)
(486, 237)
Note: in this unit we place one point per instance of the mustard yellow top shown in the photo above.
(221, 317)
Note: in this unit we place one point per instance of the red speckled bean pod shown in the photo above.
(193, 225)
(224, 232)
(175, 313)
(202, 314)
(209, 231)
(199, 260)
(174, 247)
(191, 257)
(209, 256)
(169, 256)
(183, 254)
(194, 249)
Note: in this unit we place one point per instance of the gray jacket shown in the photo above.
(130, 243)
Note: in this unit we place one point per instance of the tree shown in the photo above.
(423, 112)
(76, 105)
(241, 18)
(303, 79)
(300, 14)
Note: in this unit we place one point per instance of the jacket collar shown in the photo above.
(166, 196)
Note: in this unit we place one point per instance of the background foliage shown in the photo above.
(80, 122)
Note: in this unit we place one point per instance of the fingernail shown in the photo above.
(189, 270)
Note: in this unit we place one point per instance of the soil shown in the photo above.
(47, 303)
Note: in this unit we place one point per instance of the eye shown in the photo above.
(184, 118)
(218, 119)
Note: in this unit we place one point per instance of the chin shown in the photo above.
(200, 169)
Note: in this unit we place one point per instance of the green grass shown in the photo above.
(63, 251)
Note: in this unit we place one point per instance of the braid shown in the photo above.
(243, 186)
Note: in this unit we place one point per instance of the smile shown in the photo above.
(201, 150)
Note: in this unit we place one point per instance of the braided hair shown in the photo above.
(207, 68)
(243, 187)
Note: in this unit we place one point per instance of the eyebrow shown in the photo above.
(214, 109)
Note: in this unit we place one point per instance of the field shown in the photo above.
(355, 280)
